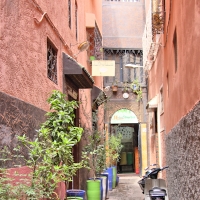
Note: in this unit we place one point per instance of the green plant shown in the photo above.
(10, 189)
(135, 86)
(139, 94)
(50, 154)
(114, 147)
(126, 87)
(96, 151)
(115, 82)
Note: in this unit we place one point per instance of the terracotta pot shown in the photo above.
(114, 88)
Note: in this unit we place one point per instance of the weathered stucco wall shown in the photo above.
(182, 156)
(24, 46)
(181, 85)
(24, 85)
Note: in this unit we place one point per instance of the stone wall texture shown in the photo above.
(182, 156)
(17, 118)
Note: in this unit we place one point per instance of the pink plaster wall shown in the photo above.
(184, 87)
(183, 90)
(23, 45)
(95, 7)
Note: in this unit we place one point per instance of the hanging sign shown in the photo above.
(124, 116)
(103, 68)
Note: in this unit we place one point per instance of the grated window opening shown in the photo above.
(51, 62)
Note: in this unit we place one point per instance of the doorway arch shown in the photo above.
(124, 116)
(125, 121)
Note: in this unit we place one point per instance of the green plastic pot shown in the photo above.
(114, 168)
(93, 190)
(80, 198)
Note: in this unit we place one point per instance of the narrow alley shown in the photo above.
(95, 88)
(127, 189)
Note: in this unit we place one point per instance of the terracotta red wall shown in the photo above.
(24, 45)
(179, 124)
(183, 90)
(95, 7)
(23, 72)
(184, 87)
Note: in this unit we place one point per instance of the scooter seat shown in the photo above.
(157, 192)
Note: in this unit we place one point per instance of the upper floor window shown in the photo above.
(76, 20)
(69, 13)
(51, 62)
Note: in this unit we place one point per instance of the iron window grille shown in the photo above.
(51, 62)
(95, 39)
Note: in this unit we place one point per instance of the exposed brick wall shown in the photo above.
(117, 102)
(182, 156)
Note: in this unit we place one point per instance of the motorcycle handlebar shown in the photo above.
(164, 167)
(155, 171)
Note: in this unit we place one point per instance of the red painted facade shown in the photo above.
(25, 28)
(175, 73)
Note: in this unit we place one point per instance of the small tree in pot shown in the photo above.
(50, 154)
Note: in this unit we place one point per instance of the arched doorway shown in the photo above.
(125, 121)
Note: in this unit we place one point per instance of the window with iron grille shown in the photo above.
(95, 39)
(76, 20)
(51, 62)
(69, 13)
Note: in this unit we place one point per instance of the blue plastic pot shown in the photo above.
(110, 177)
(76, 193)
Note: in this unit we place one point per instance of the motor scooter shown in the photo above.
(151, 186)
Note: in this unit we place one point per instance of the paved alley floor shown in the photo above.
(127, 189)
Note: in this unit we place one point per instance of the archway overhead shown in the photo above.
(124, 116)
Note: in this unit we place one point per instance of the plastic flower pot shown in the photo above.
(110, 177)
(93, 189)
(76, 193)
(114, 168)
(107, 182)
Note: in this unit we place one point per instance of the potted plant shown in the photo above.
(50, 154)
(115, 85)
(113, 153)
(135, 85)
(95, 150)
(139, 94)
